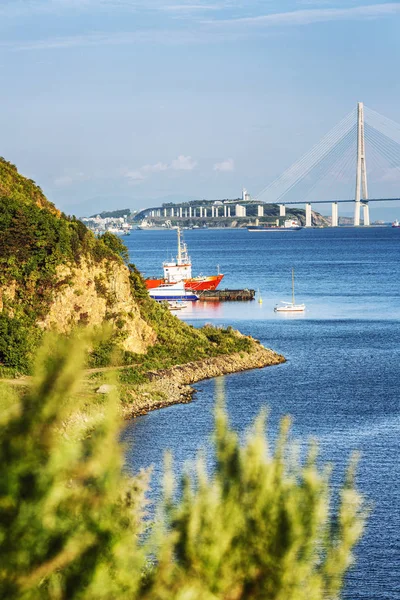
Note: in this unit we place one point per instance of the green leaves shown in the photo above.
(69, 518)
(261, 526)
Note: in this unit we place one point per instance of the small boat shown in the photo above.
(289, 225)
(259, 299)
(290, 307)
(172, 291)
(395, 223)
(177, 304)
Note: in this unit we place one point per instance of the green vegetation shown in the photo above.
(72, 522)
(25, 191)
(115, 214)
(35, 239)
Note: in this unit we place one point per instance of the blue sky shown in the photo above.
(115, 103)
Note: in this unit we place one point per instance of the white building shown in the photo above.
(245, 195)
(240, 211)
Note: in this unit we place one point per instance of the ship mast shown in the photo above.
(179, 246)
(292, 286)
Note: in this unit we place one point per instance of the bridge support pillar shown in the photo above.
(225, 213)
(282, 210)
(357, 211)
(260, 210)
(308, 215)
(335, 214)
(212, 211)
(217, 212)
(165, 212)
(361, 170)
(366, 214)
(205, 212)
(172, 212)
(229, 211)
(180, 211)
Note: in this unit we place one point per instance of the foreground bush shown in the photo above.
(71, 523)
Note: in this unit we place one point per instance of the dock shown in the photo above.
(226, 295)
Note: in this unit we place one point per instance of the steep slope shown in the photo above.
(14, 185)
(54, 274)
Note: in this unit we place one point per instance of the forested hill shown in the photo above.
(55, 274)
(13, 185)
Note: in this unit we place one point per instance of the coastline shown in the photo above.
(167, 387)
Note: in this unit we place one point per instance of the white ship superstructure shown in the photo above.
(181, 268)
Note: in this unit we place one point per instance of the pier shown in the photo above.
(227, 295)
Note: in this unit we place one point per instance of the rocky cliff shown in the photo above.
(95, 294)
(55, 275)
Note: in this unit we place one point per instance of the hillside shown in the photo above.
(13, 185)
(56, 275)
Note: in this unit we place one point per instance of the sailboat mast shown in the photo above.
(292, 286)
(179, 246)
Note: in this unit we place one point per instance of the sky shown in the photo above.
(112, 104)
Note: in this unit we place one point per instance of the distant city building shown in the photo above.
(245, 195)
(240, 211)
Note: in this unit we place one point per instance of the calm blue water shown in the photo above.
(342, 377)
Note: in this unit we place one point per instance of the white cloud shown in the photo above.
(24, 7)
(191, 7)
(135, 176)
(69, 178)
(154, 168)
(183, 163)
(225, 166)
(314, 15)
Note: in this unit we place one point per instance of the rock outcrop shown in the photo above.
(96, 293)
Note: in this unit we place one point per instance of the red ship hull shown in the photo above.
(195, 283)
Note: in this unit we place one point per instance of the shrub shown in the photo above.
(18, 340)
(115, 244)
(260, 527)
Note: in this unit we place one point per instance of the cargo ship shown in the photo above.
(180, 269)
(289, 225)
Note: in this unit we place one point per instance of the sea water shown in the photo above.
(341, 380)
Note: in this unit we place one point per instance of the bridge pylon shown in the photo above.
(361, 171)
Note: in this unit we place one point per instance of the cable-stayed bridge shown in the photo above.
(340, 159)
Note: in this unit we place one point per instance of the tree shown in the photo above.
(116, 245)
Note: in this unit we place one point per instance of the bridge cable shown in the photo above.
(305, 163)
(325, 162)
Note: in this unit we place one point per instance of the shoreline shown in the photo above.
(167, 387)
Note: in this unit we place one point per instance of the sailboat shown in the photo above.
(290, 307)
